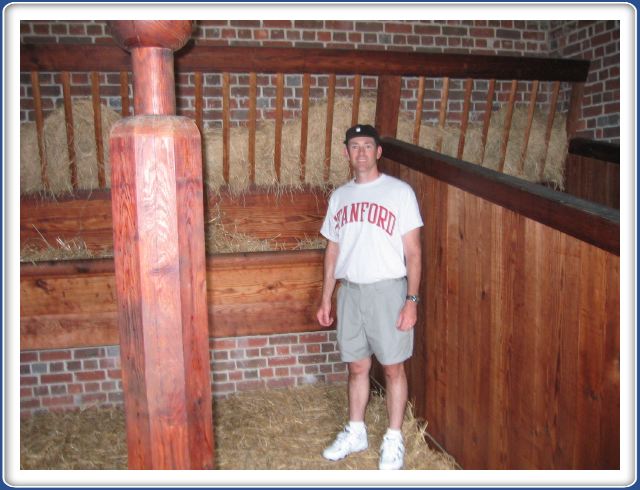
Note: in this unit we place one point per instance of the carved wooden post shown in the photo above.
(158, 225)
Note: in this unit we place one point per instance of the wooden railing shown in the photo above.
(389, 69)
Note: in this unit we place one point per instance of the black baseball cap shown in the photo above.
(362, 130)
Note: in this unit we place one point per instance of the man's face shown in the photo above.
(363, 153)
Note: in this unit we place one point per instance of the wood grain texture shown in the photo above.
(161, 290)
(520, 327)
(39, 117)
(288, 219)
(592, 179)
(311, 60)
(73, 303)
(69, 128)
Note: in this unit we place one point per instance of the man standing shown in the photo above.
(373, 230)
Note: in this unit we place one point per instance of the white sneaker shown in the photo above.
(347, 442)
(391, 453)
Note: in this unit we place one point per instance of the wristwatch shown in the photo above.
(413, 297)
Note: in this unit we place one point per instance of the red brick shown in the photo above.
(57, 401)
(90, 375)
(55, 355)
(282, 361)
(56, 378)
(280, 383)
(26, 357)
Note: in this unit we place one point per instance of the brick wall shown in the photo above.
(598, 41)
(66, 379)
(594, 40)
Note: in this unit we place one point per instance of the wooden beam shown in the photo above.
(311, 60)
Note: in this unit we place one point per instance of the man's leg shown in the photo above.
(354, 436)
(358, 388)
(397, 394)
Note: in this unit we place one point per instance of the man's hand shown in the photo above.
(408, 316)
(324, 315)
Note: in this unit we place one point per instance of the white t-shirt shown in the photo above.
(368, 222)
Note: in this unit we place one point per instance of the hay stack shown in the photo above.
(55, 139)
(290, 169)
(449, 136)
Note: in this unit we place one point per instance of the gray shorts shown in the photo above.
(367, 315)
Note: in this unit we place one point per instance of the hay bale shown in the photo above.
(55, 140)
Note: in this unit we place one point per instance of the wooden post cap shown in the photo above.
(152, 43)
(170, 34)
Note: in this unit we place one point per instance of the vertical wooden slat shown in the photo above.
(444, 100)
(37, 106)
(253, 96)
(304, 127)
(226, 130)
(199, 101)
(575, 109)
(331, 94)
(547, 134)
(418, 119)
(124, 93)
(468, 84)
(507, 124)
(68, 117)
(97, 124)
(527, 132)
(277, 152)
(355, 107)
(488, 109)
(388, 105)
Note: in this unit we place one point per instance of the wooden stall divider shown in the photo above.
(418, 117)
(68, 117)
(444, 100)
(506, 131)
(527, 132)
(277, 151)
(37, 107)
(468, 85)
(124, 94)
(253, 98)
(331, 95)
(304, 124)
(488, 109)
(97, 125)
(547, 134)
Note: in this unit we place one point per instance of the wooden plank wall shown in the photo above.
(287, 218)
(593, 179)
(72, 303)
(516, 361)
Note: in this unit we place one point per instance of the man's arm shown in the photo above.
(413, 257)
(329, 283)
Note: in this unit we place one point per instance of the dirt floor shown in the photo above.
(277, 429)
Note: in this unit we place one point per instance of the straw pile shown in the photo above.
(278, 429)
(55, 139)
(448, 138)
